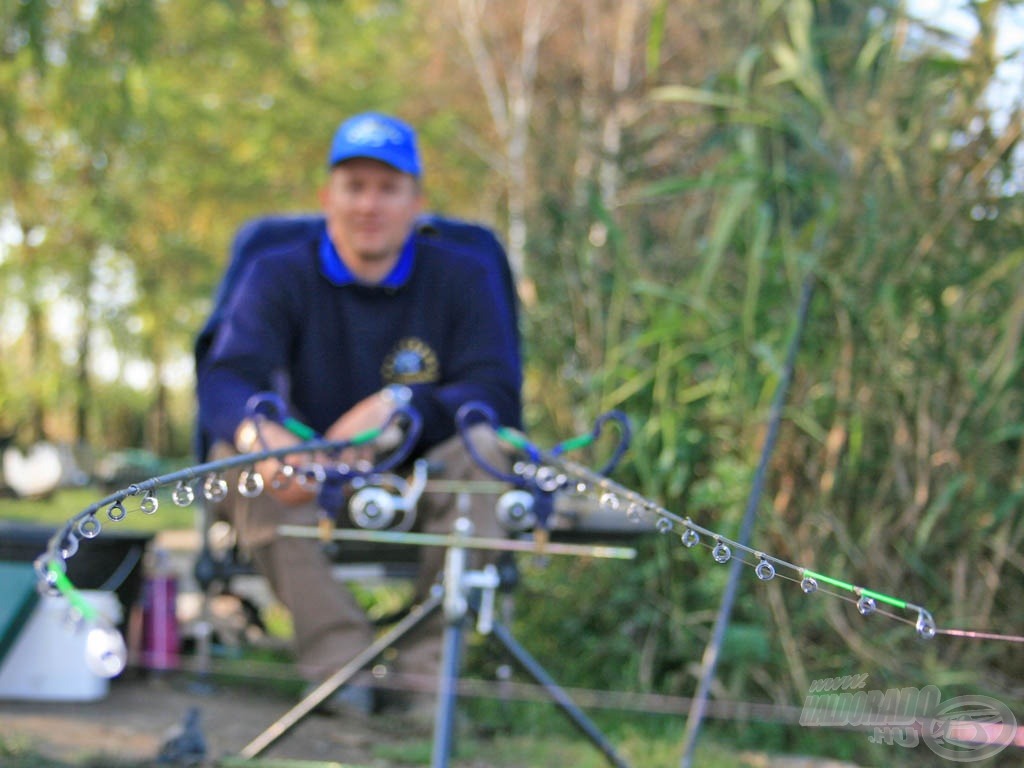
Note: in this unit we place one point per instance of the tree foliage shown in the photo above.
(141, 135)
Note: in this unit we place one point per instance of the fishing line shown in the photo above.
(975, 635)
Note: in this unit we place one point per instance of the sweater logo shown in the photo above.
(412, 361)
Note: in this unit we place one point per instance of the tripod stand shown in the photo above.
(462, 592)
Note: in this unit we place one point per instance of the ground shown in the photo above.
(131, 725)
(141, 712)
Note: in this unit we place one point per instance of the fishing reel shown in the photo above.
(530, 504)
(387, 501)
(373, 496)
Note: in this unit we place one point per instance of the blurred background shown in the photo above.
(667, 178)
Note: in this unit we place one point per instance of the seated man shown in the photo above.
(344, 326)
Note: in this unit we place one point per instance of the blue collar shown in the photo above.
(338, 273)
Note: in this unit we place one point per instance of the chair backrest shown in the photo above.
(277, 232)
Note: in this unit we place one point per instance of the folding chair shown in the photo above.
(270, 234)
(217, 565)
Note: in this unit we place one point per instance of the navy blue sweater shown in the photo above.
(324, 346)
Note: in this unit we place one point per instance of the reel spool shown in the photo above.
(373, 508)
(515, 510)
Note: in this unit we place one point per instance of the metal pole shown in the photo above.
(339, 678)
(557, 694)
(711, 651)
(444, 719)
(530, 547)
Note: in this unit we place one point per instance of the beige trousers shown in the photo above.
(329, 625)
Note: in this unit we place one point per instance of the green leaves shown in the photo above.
(818, 150)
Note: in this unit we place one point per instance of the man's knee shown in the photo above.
(457, 461)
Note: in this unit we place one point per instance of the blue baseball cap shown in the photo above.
(378, 137)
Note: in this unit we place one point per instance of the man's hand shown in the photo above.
(369, 413)
(274, 436)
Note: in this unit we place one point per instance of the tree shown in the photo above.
(142, 134)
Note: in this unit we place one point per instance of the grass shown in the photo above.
(497, 752)
(66, 503)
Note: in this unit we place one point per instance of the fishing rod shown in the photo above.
(536, 476)
(546, 472)
(105, 649)
(324, 473)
